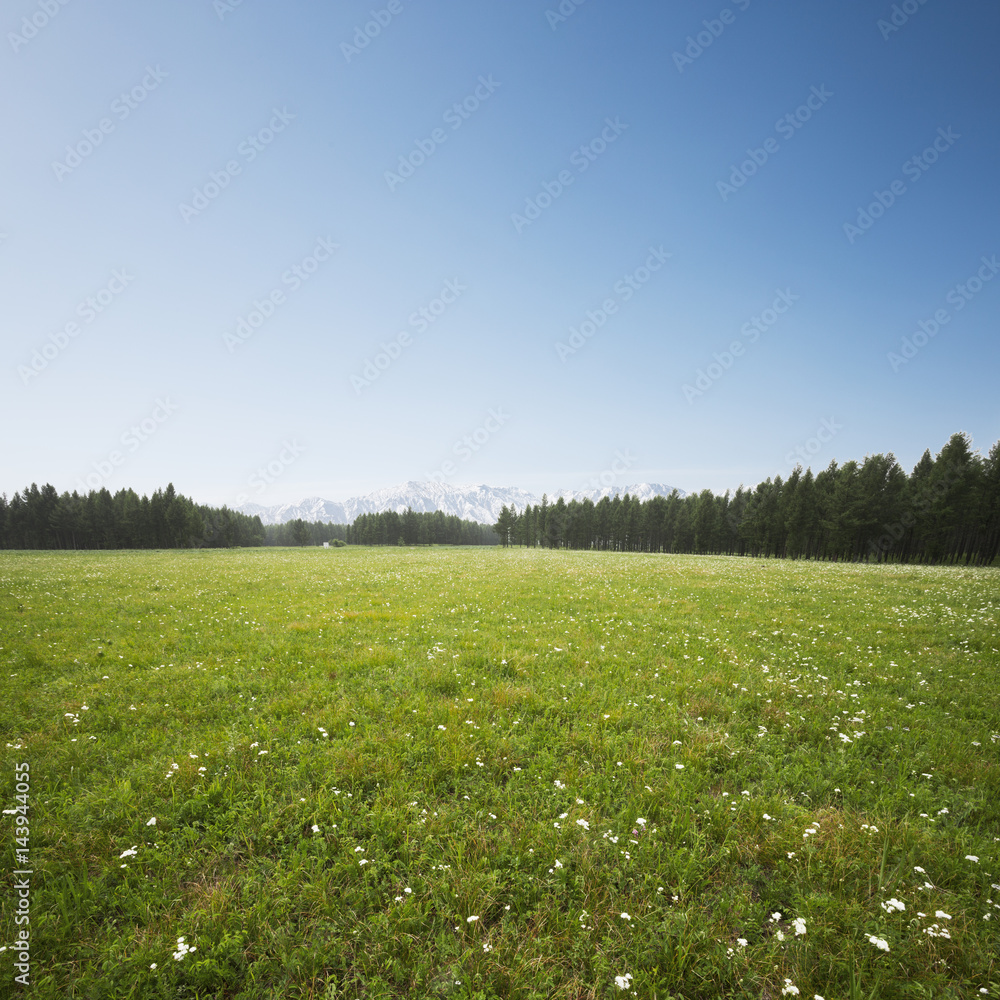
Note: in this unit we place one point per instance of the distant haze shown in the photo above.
(471, 503)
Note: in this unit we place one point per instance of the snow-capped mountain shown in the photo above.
(471, 503)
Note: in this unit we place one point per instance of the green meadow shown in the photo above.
(479, 773)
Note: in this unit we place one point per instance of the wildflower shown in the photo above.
(151, 821)
(471, 920)
(583, 823)
(153, 965)
(972, 857)
(775, 917)
(625, 916)
(131, 852)
(879, 942)
(623, 982)
(799, 923)
(742, 942)
(789, 987)
(182, 949)
(640, 821)
(941, 915)
(680, 767)
(315, 828)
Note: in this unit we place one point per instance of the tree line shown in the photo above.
(44, 519)
(946, 511)
(41, 518)
(418, 528)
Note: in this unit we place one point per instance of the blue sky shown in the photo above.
(671, 184)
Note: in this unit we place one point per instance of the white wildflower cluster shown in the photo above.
(182, 949)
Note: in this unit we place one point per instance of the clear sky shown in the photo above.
(353, 242)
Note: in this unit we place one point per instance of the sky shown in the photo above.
(270, 251)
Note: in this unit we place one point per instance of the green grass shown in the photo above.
(350, 754)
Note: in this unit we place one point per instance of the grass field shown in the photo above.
(487, 773)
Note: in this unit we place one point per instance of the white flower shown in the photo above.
(799, 923)
(583, 823)
(879, 942)
(640, 821)
(775, 917)
(971, 857)
(789, 987)
(742, 942)
(153, 966)
(940, 914)
(471, 920)
(315, 828)
(131, 852)
(623, 982)
(893, 904)
(625, 916)
(680, 767)
(151, 821)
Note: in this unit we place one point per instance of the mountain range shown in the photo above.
(471, 503)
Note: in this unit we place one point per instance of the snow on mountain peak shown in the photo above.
(472, 502)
